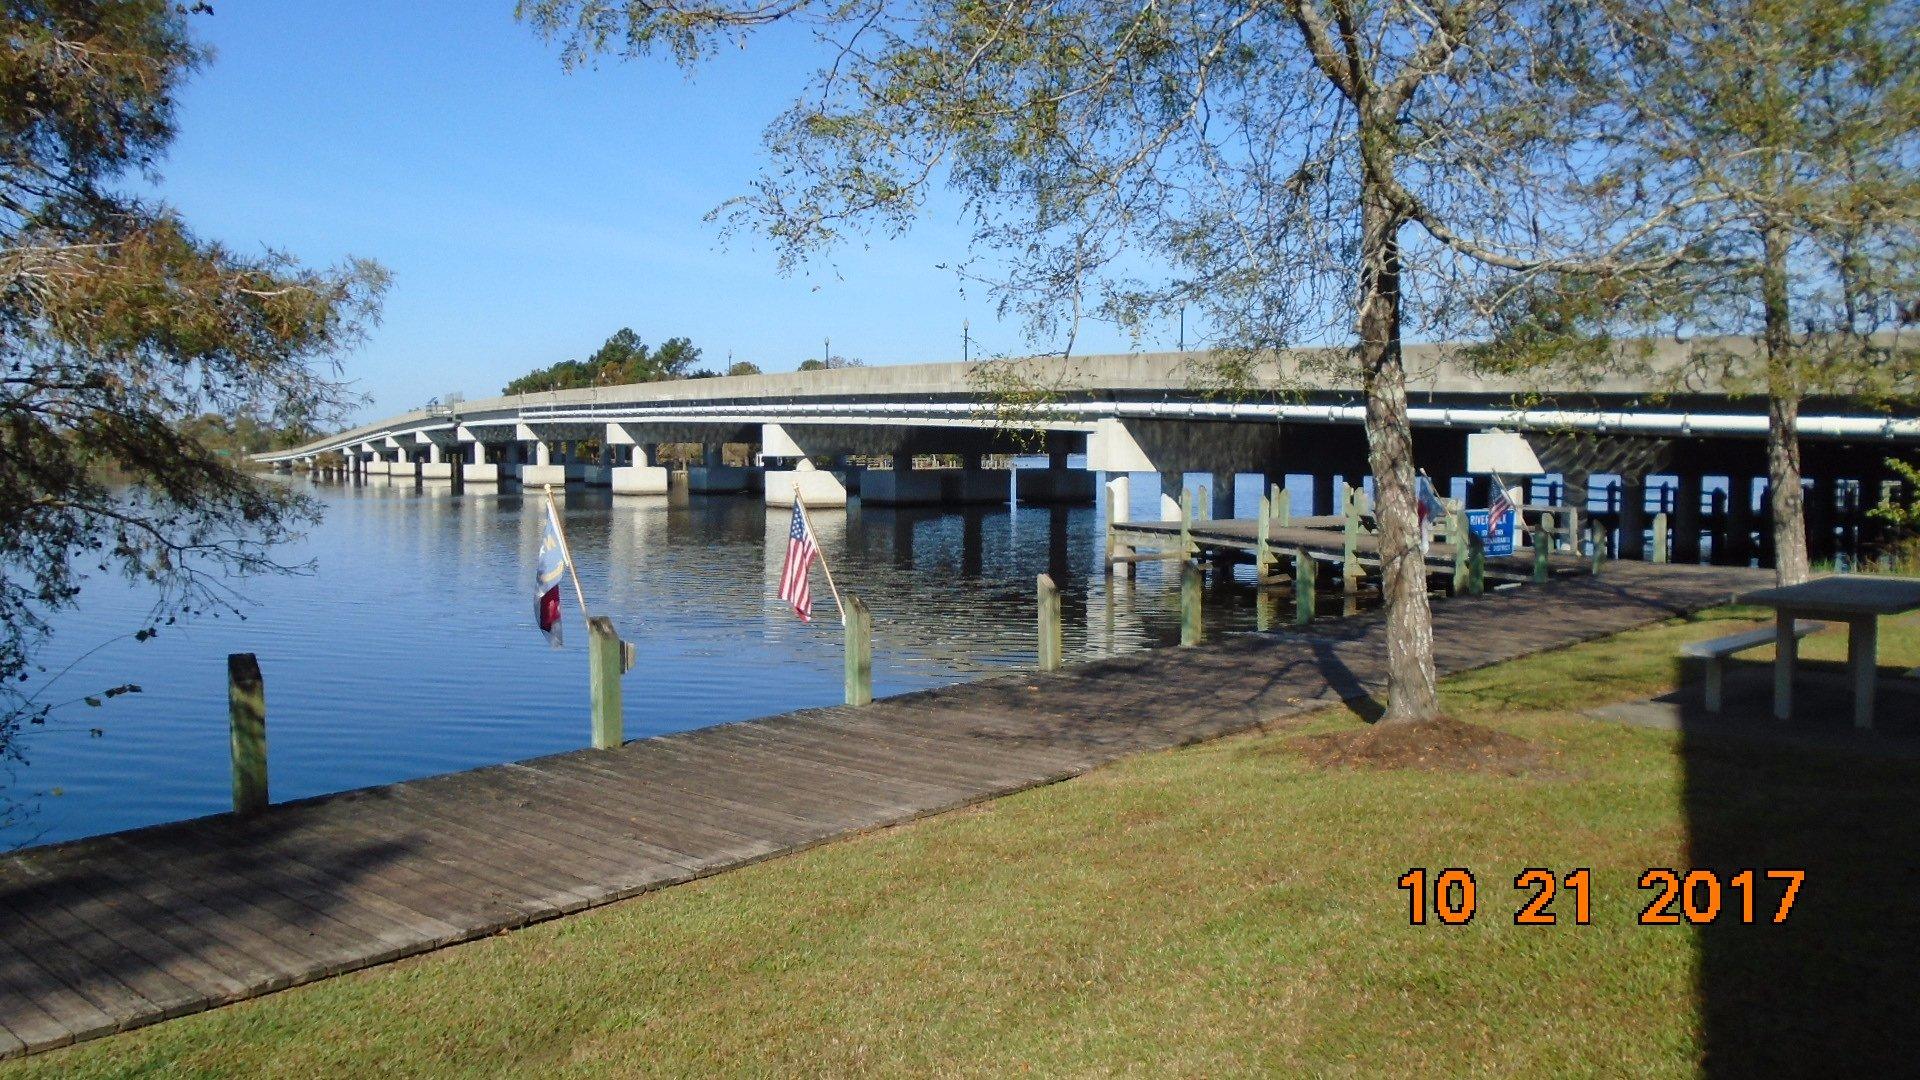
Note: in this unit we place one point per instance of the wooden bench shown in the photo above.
(1713, 652)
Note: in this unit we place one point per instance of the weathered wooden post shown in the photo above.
(1282, 506)
(603, 673)
(1049, 622)
(859, 651)
(247, 723)
(1262, 551)
(1190, 592)
(1542, 544)
(1350, 542)
(1305, 581)
(1458, 533)
(1598, 543)
(1186, 523)
(1476, 564)
(1205, 499)
(1659, 553)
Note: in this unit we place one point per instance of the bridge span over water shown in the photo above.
(1131, 413)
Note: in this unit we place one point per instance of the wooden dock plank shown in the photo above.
(113, 932)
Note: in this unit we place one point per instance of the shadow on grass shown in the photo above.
(1830, 989)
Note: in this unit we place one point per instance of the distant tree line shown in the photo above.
(624, 358)
(235, 437)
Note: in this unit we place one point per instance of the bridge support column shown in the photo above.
(642, 476)
(1820, 504)
(1059, 484)
(1222, 508)
(816, 487)
(436, 467)
(713, 477)
(1320, 493)
(1173, 485)
(543, 471)
(1633, 517)
(476, 469)
(1686, 518)
(975, 484)
(902, 485)
(1739, 519)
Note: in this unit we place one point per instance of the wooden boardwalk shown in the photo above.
(114, 932)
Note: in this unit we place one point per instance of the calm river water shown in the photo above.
(410, 649)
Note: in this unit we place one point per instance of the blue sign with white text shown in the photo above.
(1501, 542)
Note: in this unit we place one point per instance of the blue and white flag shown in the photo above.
(553, 564)
(1429, 507)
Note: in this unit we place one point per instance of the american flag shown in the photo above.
(794, 587)
(1502, 506)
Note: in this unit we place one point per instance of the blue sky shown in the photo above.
(526, 212)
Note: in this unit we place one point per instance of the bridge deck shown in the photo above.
(118, 931)
(1324, 540)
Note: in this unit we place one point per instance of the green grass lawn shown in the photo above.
(1222, 909)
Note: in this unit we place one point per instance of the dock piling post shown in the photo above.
(1476, 564)
(859, 651)
(1659, 553)
(247, 721)
(1462, 549)
(1190, 593)
(603, 672)
(1542, 544)
(1350, 544)
(1304, 582)
(1112, 520)
(1262, 550)
(1598, 543)
(1187, 548)
(1049, 652)
(1283, 506)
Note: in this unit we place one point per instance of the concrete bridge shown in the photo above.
(1133, 413)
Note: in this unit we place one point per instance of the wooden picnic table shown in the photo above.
(1856, 599)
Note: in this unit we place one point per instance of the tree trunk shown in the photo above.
(1412, 693)
(1790, 562)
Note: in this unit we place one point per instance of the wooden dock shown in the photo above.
(1322, 538)
(111, 933)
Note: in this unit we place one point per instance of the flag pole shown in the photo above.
(566, 552)
(828, 570)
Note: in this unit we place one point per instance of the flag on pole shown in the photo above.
(553, 565)
(1430, 508)
(1502, 507)
(801, 550)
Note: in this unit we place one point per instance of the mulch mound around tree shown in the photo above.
(1445, 743)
